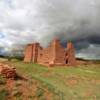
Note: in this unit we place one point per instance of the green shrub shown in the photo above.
(39, 92)
(17, 93)
(3, 94)
(2, 80)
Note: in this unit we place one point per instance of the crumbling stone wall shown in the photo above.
(31, 52)
(55, 54)
(45, 56)
(70, 57)
(35, 51)
(58, 56)
(28, 53)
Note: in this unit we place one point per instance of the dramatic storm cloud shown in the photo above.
(24, 21)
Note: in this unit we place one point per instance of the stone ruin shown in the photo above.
(7, 71)
(54, 55)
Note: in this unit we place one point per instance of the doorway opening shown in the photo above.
(66, 61)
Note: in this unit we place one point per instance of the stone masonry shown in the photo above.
(7, 71)
(54, 55)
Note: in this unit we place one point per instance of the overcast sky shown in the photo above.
(25, 21)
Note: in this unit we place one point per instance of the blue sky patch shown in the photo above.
(2, 35)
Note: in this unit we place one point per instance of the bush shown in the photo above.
(2, 80)
(39, 92)
(3, 94)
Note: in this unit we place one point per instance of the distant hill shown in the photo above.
(94, 61)
(1, 56)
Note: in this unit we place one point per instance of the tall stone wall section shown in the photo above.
(35, 53)
(31, 52)
(71, 54)
(45, 56)
(28, 53)
(58, 57)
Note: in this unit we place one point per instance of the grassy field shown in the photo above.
(65, 83)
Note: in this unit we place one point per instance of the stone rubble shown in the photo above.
(7, 71)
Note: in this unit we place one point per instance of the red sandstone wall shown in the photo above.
(71, 54)
(45, 56)
(31, 53)
(55, 54)
(58, 53)
(28, 53)
(35, 51)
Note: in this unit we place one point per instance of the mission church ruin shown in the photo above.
(53, 55)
